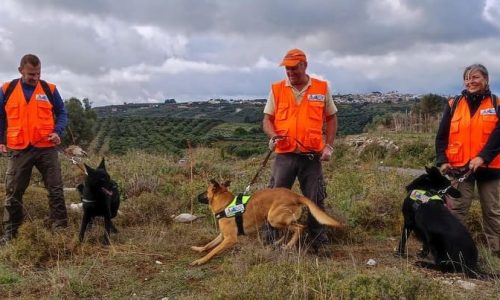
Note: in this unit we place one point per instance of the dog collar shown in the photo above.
(88, 200)
(422, 196)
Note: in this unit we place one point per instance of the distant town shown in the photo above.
(373, 97)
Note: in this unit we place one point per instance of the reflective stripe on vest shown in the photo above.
(28, 123)
(303, 122)
(468, 135)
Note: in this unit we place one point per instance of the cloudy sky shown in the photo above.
(149, 50)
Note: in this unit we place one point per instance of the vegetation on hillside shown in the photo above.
(149, 258)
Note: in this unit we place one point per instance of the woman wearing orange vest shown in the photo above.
(294, 115)
(469, 138)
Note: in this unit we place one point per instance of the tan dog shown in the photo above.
(279, 206)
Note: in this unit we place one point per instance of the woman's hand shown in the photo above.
(475, 163)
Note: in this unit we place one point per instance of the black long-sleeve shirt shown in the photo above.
(490, 150)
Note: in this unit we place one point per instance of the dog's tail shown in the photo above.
(319, 214)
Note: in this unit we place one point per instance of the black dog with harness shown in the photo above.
(441, 233)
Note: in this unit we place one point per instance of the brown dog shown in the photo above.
(279, 206)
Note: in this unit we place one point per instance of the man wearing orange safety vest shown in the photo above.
(294, 116)
(469, 138)
(32, 119)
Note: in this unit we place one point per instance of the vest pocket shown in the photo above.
(313, 139)
(42, 133)
(455, 152)
(284, 142)
(315, 110)
(454, 125)
(489, 123)
(44, 110)
(12, 111)
(15, 136)
(282, 111)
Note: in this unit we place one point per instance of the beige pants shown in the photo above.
(489, 197)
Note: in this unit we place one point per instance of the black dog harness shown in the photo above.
(235, 209)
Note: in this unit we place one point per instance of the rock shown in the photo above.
(184, 218)
(466, 284)
(371, 262)
(77, 207)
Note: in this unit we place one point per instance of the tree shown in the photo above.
(430, 104)
(81, 123)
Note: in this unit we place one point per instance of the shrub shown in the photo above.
(137, 184)
(147, 208)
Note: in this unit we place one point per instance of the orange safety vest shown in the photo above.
(303, 122)
(468, 135)
(28, 123)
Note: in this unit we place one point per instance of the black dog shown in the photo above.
(441, 233)
(100, 197)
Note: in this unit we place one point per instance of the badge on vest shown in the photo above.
(41, 97)
(316, 97)
(487, 112)
(233, 210)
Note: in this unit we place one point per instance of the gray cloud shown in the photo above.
(136, 51)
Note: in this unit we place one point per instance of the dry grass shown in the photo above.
(149, 258)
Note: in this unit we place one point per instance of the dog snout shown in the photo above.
(202, 198)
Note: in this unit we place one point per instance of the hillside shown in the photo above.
(167, 128)
(149, 257)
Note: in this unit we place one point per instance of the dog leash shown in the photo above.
(455, 172)
(276, 137)
(247, 189)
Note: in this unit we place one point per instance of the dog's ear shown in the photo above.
(428, 170)
(102, 165)
(215, 183)
(227, 183)
(417, 183)
(88, 169)
(434, 171)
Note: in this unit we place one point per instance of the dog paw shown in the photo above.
(197, 262)
(423, 253)
(400, 254)
(197, 249)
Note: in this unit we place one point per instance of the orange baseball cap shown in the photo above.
(293, 57)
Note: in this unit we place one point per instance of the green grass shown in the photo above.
(149, 258)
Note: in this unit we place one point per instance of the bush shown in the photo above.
(148, 208)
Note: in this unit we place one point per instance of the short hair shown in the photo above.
(476, 67)
(29, 59)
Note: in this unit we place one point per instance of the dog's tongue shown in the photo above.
(106, 191)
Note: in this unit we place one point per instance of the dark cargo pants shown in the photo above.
(307, 169)
(17, 179)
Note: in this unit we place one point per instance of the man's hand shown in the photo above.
(273, 141)
(327, 152)
(475, 163)
(54, 138)
(3, 148)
